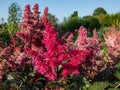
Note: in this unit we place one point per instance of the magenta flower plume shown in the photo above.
(53, 57)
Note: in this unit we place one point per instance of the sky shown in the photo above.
(63, 8)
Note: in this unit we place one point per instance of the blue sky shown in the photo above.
(63, 8)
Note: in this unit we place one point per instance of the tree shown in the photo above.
(99, 11)
(91, 22)
(4, 35)
(14, 18)
(107, 21)
(70, 23)
(75, 14)
(115, 19)
(53, 19)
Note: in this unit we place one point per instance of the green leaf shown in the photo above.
(113, 89)
(117, 71)
(98, 86)
(104, 50)
(5, 86)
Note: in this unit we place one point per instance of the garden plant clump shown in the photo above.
(42, 61)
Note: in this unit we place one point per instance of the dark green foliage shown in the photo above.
(14, 18)
(115, 19)
(28, 81)
(98, 86)
(74, 22)
(117, 71)
(4, 34)
(70, 24)
(107, 21)
(90, 23)
(11, 27)
(103, 86)
(104, 50)
(75, 14)
(108, 79)
(79, 82)
(106, 75)
(71, 83)
(99, 11)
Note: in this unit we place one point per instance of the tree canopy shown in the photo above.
(14, 18)
(99, 11)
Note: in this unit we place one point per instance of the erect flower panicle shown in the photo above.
(45, 12)
(84, 42)
(81, 41)
(112, 38)
(32, 28)
(26, 25)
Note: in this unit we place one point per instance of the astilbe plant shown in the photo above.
(112, 43)
(32, 28)
(53, 57)
(13, 55)
(109, 64)
(13, 63)
(110, 51)
(89, 67)
(103, 67)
